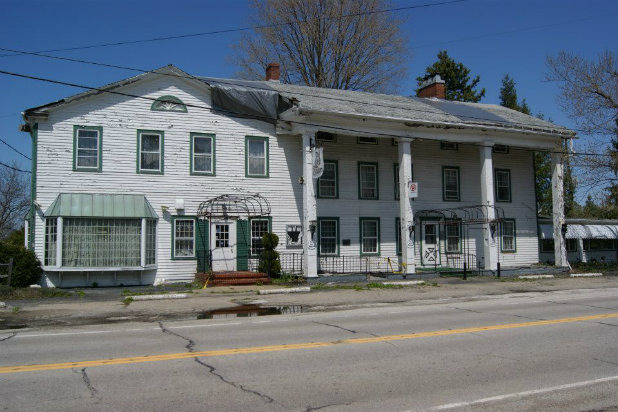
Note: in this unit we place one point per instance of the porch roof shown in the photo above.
(581, 231)
(101, 205)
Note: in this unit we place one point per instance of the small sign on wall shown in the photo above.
(413, 190)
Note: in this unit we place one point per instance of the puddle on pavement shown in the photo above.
(248, 311)
(4, 326)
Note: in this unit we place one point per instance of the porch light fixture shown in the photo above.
(164, 208)
(313, 224)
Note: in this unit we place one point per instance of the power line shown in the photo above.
(222, 81)
(240, 29)
(256, 117)
(15, 150)
(14, 168)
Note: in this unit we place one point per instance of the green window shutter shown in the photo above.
(201, 250)
(243, 243)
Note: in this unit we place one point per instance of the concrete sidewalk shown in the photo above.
(105, 305)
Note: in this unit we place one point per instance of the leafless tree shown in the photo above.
(14, 199)
(589, 95)
(340, 44)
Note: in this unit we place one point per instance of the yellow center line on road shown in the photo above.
(291, 346)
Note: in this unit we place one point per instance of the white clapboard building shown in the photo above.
(155, 177)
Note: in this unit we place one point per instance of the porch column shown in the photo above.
(143, 244)
(59, 230)
(490, 252)
(582, 254)
(310, 252)
(557, 194)
(406, 212)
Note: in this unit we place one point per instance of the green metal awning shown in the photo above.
(101, 205)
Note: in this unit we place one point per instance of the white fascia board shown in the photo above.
(387, 128)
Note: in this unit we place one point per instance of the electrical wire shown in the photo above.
(14, 168)
(264, 118)
(15, 150)
(240, 29)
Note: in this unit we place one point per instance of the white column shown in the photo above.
(582, 254)
(143, 244)
(59, 241)
(557, 194)
(406, 212)
(310, 252)
(490, 251)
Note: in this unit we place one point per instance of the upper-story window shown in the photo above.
(328, 183)
(450, 183)
(87, 147)
(202, 154)
(256, 156)
(168, 104)
(503, 185)
(367, 180)
(149, 151)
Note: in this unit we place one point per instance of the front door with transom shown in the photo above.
(223, 245)
(431, 244)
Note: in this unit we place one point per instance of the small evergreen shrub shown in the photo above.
(269, 258)
(26, 267)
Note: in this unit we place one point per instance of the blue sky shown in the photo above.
(491, 37)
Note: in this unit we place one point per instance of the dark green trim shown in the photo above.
(360, 235)
(422, 237)
(173, 246)
(202, 248)
(260, 138)
(270, 229)
(377, 180)
(514, 237)
(459, 250)
(193, 135)
(139, 152)
(338, 246)
(444, 168)
(170, 98)
(336, 163)
(34, 135)
(398, 236)
(243, 244)
(496, 185)
(99, 149)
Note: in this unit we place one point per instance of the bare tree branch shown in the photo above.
(14, 199)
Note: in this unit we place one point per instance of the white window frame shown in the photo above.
(248, 156)
(211, 138)
(159, 152)
(364, 220)
(449, 225)
(97, 149)
(508, 185)
(449, 198)
(360, 181)
(176, 238)
(253, 248)
(335, 178)
(503, 236)
(321, 236)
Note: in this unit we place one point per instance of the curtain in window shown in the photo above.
(150, 153)
(257, 157)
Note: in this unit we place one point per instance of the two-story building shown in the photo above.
(155, 177)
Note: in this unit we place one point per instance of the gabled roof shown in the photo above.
(267, 99)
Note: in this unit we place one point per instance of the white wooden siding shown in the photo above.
(121, 117)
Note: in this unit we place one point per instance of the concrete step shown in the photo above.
(239, 281)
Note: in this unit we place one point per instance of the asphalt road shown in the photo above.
(553, 351)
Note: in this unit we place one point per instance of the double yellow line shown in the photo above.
(292, 346)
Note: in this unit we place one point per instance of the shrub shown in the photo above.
(26, 267)
(269, 258)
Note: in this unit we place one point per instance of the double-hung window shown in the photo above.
(507, 236)
(256, 160)
(184, 238)
(453, 236)
(369, 236)
(503, 185)
(450, 183)
(328, 235)
(368, 181)
(87, 146)
(328, 185)
(149, 151)
(259, 227)
(202, 154)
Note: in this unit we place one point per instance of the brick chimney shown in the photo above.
(433, 87)
(273, 72)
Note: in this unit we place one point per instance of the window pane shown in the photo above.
(150, 143)
(368, 182)
(369, 234)
(451, 184)
(184, 244)
(150, 161)
(257, 166)
(202, 145)
(328, 237)
(257, 148)
(327, 183)
(202, 164)
(259, 227)
(87, 142)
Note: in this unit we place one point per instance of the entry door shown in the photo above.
(223, 245)
(431, 244)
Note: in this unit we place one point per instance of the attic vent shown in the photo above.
(325, 137)
(168, 104)
(500, 148)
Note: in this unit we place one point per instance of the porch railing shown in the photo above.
(291, 263)
(357, 264)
